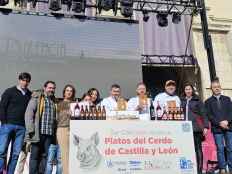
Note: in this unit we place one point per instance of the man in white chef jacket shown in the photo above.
(110, 102)
(169, 96)
(134, 104)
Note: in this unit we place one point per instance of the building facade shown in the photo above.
(220, 22)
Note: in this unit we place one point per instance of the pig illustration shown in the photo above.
(87, 152)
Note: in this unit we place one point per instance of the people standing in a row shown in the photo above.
(195, 111)
(163, 100)
(142, 102)
(12, 109)
(219, 110)
(40, 119)
(58, 154)
(47, 121)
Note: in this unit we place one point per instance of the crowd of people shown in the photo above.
(36, 121)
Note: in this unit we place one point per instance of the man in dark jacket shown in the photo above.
(219, 110)
(12, 109)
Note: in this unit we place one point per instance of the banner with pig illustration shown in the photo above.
(131, 147)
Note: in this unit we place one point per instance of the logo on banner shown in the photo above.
(87, 152)
(186, 127)
(186, 165)
(158, 164)
(134, 163)
(111, 164)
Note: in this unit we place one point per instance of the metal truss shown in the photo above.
(169, 60)
(182, 7)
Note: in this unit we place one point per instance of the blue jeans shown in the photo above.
(54, 157)
(14, 134)
(223, 140)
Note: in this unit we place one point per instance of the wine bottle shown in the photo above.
(158, 110)
(178, 114)
(103, 113)
(99, 113)
(182, 113)
(170, 114)
(90, 116)
(82, 113)
(152, 111)
(86, 112)
(164, 117)
(94, 113)
(175, 114)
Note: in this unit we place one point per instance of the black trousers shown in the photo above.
(198, 138)
(39, 153)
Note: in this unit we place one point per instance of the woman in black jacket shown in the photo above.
(194, 111)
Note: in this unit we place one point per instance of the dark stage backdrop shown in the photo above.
(84, 53)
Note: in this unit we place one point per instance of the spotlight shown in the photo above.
(145, 16)
(34, 2)
(68, 3)
(127, 8)
(176, 18)
(5, 11)
(80, 17)
(162, 19)
(199, 3)
(107, 5)
(54, 5)
(16, 2)
(193, 1)
(4, 2)
(57, 15)
(78, 6)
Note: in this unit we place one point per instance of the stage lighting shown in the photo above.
(54, 5)
(5, 11)
(107, 5)
(4, 2)
(34, 2)
(57, 15)
(68, 3)
(145, 16)
(127, 8)
(78, 6)
(193, 1)
(176, 18)
(162, 19)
